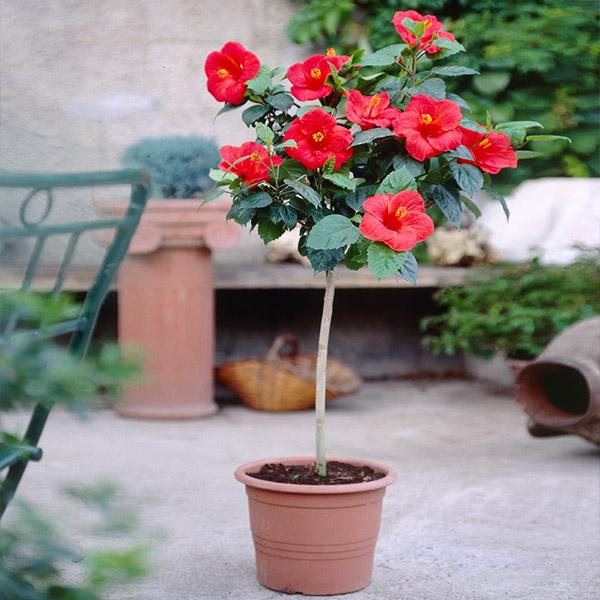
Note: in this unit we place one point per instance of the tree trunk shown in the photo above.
(321, 380)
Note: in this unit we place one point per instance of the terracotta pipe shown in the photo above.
(560, 390)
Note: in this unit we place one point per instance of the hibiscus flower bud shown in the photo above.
(370, 111)
(252, 169)
(308, 78)
(318, 137)
(491, 151)
(397, 220)
(430, 126)
(227, 71)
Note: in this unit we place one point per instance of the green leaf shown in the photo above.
(210, 197)
(257, 200)
(240, 214)
(324, 260)
(461, 152)
(264, 133)
(343, 181)
(305, 191)
(364, 137)
(448, 47)
(396, 181)
(410, 25)
(329, 165)
(414, 167)
(468, 177)
(468, 124)
(459, 100)
(383, 261)
(288, 215)
(454, 71)
(547, 138)
(471, 206)
(436, 88)
(227, 107)
(448, 203)
(260, 84)
(527, 154)
(269, 231)
(409, 268)
(384, 57)
(252, 114)
(356, 199)
(288, 169)
(221, 176)
(519, 125)
(282, 101)
(333, 231)
(356, 256)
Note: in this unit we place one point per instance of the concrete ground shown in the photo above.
(480, 511)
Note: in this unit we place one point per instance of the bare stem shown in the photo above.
(321, 379)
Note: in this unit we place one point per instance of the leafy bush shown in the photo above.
(538, 60)
(515, 309)
(179, 166)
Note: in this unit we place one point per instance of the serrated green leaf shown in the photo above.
(305, 191)
(221, 176)
(288, 169)
(364, 137)
(468, 177)
(468, 124)
(459, 100)
(331, 232)
(383, 261)
(227, 108)
(383, 57)
(355, 199)
(329, 165)
(269, 231)
(396, 181)
(414, 167)
(252, 114)
(461, 152)
(448, 47)
(409, 268)
(264, 133)
(282, 101)
(288, 215)
(324, 260)
(343, 181)
(356, 256)
(448, 203)
(256, 200)
(260, 84)
(240, 214)
(436, 88)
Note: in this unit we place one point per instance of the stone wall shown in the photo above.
(82, 79)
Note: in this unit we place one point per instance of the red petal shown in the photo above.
(402, 240)
(377, 205)
(373, 229)
(411, 199)
(448, 114)
(418, 147)
(446, 141)
(420, 223)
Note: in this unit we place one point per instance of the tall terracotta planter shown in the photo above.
(314, 539)
(166, 305)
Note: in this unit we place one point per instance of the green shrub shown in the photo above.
(538, 59)
(515, 309)
(178, 165)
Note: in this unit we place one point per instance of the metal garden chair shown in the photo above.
(39, 230)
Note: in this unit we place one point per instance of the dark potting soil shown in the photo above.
(337, 473)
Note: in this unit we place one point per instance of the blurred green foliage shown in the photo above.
(538, 60)
(178, 165)
(515, 309)
(33, 552)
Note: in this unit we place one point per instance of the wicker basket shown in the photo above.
(285, 381)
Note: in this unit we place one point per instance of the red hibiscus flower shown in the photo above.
(370, 111)
(430, 126)
(228, 70)
(254, 168)
(318, 137)
(432, 26)
(397, 220)
(308, 78)
(491, 151)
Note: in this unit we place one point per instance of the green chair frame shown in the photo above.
(15, 457)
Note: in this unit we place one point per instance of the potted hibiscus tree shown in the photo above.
(355, 155)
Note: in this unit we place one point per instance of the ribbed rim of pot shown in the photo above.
(241, 474)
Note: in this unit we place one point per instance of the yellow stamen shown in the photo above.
(401, 212)
(331, 52)
(315, 73)
(485, 143)
(426, 119)
(318, 136)
(375, 100)
(222, 73)
(255, 156)
(427, 23)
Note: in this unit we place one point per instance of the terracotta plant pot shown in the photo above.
(312, 539)
(166, 305)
